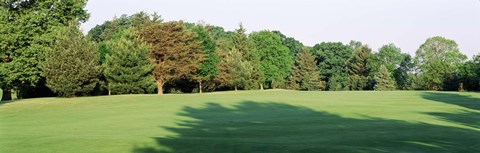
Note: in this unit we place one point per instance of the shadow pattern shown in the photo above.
(276, 127)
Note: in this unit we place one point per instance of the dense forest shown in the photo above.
(44, 53)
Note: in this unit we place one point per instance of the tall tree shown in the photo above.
(253, 75)
(438, 58)
(173, 51)
(210, 60)
(358, 69)
(392, 57)
(26, 28)
(305, 74)
(275, 59)
(72, 66)
(127, 66)
(384, 80)
(332, 61)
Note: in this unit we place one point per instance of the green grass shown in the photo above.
(255, 121)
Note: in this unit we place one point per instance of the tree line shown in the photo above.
(43, 53)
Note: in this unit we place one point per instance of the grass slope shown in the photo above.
(252, 121)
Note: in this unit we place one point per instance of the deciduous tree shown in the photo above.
(275, 59)
(438, 58)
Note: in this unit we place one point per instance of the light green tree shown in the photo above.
(305, 74)
(72, 66)
(127, 67)
(438, 58)
(384, 80)
(275, 59)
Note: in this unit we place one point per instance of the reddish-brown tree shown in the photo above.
(173, 51)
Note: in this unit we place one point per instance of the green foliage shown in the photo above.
(305, 74)
(333, 62)
(26, 28)
(292, 44)
(275, 59)
(252, 76)
(210, 61)
(401, 74)
(109, 29)
(383, 80)
(438, 59)
(72, 66)
(127, 67)
(358, 69)
(469, 73)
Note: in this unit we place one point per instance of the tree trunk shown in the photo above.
(7, 95)
(109, 92)
(273, 85)
(160, 87)
(199, 86)
(261, 86)
(236, 89)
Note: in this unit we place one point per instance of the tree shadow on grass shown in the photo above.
(454, 99)
(468, 117)
(276, 127)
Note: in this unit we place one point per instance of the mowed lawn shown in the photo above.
(246, 121)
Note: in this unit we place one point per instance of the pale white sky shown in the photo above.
(406, 23)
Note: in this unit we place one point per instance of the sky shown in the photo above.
(406, 23)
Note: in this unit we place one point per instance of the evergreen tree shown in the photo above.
(173, 51)
(384, 80)
(358, 69)
(275, 59)
(210, 61)
(72, 66)
(127, 67)
(305, 74)
(253, 76)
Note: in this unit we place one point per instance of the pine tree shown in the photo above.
(253, 75)
(210, 60)
(384, 80)
(305, 75)
(72, 66)
(173, 51)
(358, 69)
(127, 67)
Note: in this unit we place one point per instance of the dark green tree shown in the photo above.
(401, 74)
(470, 74)
(26, 28)
(358, 69)
(305, 74)
(72, 66)
(438, 59)
(275, 59)
(127, 67)
(384, 80)
(210, 60)
(332, 60)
